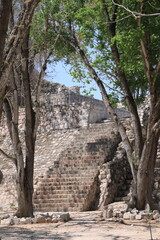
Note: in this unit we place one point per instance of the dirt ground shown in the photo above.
(83, 226)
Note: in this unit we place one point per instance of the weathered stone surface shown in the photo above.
(16, 220)
(7, 221)
(40, 219)
(156, 215)
(115, 177)
(139, 216)
(65, 217)
(121, 206)
(54, 219)
(126, 216)
(4, 216)
(132, 216)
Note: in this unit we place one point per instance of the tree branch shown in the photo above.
(136, 14)
(8, 156)
(123, 81)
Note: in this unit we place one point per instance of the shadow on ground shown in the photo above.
(13, 233)
(88, 227)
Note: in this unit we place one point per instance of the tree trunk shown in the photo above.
(145, 174)
(24, 192)
(25, 183)
(5, 8)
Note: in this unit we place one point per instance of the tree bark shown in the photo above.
(25, 186)
(9, 50)
(5, 8)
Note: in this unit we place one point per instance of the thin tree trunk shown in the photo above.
(5, 9)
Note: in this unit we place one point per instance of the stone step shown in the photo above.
(64, 180)
(48, 191)
(66, 199)
(71, 188)
(58, 209)
(60, 196)
(52, 206)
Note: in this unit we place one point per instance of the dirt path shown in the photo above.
(83, 226)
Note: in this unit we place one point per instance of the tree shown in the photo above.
(13, 49)
(5, 7)
(106, 39)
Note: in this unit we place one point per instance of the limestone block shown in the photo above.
(54, 219)
(126, 215)
(134, 211)
(109, 214)
(156, 215)
(139, 216)
(5, 216)
(8, 221)
(40, 219)
(132, 216)
(23, 220)
(65, 217)
(16, 220)
(49, 220)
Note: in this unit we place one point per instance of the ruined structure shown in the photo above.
(79, 161)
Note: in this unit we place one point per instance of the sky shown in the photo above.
(59, 73)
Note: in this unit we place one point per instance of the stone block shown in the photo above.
(65, 217)
(54, 219)
(40, 219)
(49, 220)
(132, 216)
(23, 220)
(16, 220)
(5, 216)
(126, 215)
(139, 216)
(109, 214)
(8, 221)
(156, 215)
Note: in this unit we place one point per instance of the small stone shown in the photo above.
(104, 213)
(29, 220)
(23, 220)
(54, 220)
(134, 211)
(156, 216)
(16, 220)
(139, 216)
(8, 221)
(65, 217)
(126, 216)
(49, 220)
(132, 216)
(155, 211)
(40, 219)
(4, 217)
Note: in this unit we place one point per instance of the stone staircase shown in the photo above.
(71, 182)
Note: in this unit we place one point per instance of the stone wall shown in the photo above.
(64, 108)
(70, 135)
(115, 178)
